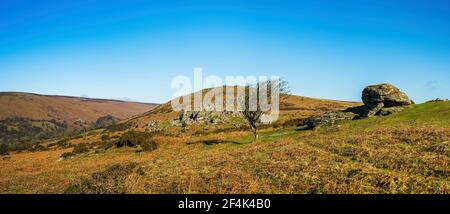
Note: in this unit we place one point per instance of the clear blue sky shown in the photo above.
(132, 49)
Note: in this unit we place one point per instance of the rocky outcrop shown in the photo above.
(329, 119)
(384, 93)
(377, 97)
(371, 110)
(390, 110)
(202, 117)
(154, 126)
(382, 99)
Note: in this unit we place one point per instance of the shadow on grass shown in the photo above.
(212, 142)
(303, 128)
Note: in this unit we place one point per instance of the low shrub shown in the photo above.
(105, 137)
(78, 149)
(64, 143)
(67, 154)
(4, 150)
(37, 148)
(294, 122)
(149, 145)
(118, 127)
(105, 144)
(113, 180)
(134, 138)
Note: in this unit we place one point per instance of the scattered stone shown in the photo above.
(6, 157)
(154, 126)
(437, 100)
(329, 119)
(390, 110)
(202, 117)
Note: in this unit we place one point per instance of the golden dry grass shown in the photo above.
(404, 153)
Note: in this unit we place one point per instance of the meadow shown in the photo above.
(408, 152)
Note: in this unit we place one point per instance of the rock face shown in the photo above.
(329, 119)
(371, 110)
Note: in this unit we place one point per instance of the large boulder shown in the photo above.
(371, 110)
(382, 99)
(384, 93)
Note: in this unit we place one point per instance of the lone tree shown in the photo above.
(4, 149)
(256, 99)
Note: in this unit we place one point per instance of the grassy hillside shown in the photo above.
(63, 108)
(291, 107)
(404, 153)
(28, 118)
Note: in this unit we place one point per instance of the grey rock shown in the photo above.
(154, 126)
(384, 93)
(383, 99)
(371, 110)
(379, 97)
(202, 117)
(390, 110)
(328, 119)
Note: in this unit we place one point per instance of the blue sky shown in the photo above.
(132, 49)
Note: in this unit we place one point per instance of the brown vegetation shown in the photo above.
(63, 108)
(404, 153)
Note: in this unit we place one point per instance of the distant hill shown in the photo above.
(27, 116)
(65, 108)
(291, 106)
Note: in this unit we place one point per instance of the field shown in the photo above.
(407, 152)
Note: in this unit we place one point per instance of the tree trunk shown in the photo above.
(255, 133)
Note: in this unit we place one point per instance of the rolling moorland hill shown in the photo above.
(26, 116)
(406, 152)
(292, 109)
(65, 108)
